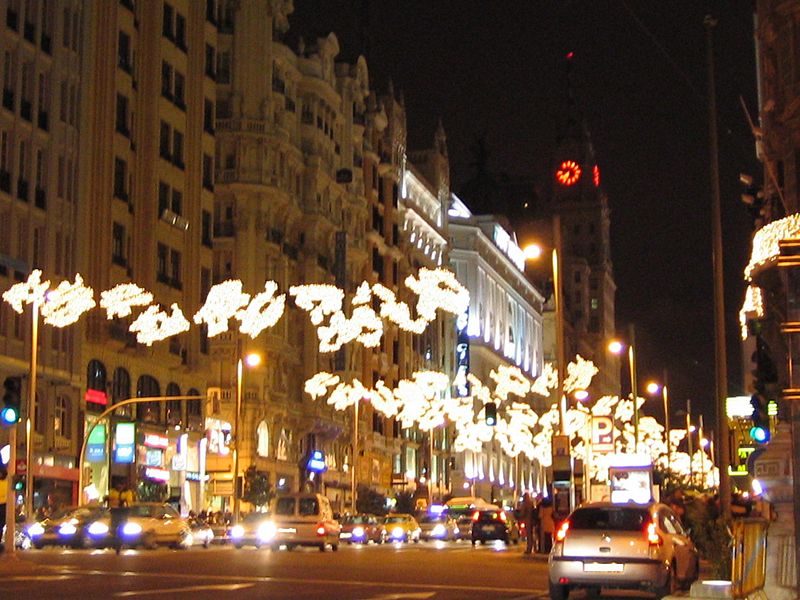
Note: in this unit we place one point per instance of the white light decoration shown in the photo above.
(767, 239)
(263, 312)
(398, 313)
(118, 301)
(318, 385)
(154, 324)
(438, 289)
(364, 326)
(27, 292)
(547, 381)
(753, 308)
(509, 380)
(66, 303)
(318, 300)
(223, 302)
(579, 374)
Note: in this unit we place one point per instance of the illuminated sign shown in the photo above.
(153, 457)
(462, 355)
(153, 440)
(124, 443)
(156, 473)
(317, 462)
(503, 240)
(96, 446)
(218, 434)
(195, 476)
(738, 407)
(96, 397)
(602, 434)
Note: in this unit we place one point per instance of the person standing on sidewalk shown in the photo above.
(526, 515)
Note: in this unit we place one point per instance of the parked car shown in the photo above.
(438, 527)
(202, 534)
(636, 546)
(66, 527)
(494, 524)
(252, 530)
(400, 528)
(301, 520)
(361, 529)
(147, 524)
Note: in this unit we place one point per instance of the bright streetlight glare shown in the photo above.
(653, 388)
(704, 442)
(533, 252)
(615, 347)
(692, 428)
(252, 360)
(581, 395)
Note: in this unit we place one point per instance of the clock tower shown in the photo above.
(588, 279)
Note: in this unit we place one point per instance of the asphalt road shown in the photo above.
(435, 571)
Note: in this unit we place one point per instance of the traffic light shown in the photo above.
(759, 432)
(19, 483)
(490, 411)
(10, 412)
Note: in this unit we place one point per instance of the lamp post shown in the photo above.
(30, 405)
(654, 388)
(355, 457)
(252, 360)
(616, 347)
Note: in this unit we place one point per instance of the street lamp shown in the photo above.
(653, 388)
(617, 347)
(251, 360)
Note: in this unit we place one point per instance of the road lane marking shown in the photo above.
(231, 587)
(38, 577)
(340, 582)
(401, 595)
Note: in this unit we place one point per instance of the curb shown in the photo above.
(18, 566)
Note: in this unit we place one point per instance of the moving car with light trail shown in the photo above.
(494, 524)
(148, 525)
(439, 526)
(360, 529)
(401, 528)
(255, 529)
(301, 520)
(635, 546)
(66, 527)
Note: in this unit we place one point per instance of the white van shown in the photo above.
(303, 520)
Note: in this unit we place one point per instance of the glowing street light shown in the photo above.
(617, 347)
(251, 360)
(580, 395)
(654, 388)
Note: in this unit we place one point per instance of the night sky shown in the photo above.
(495, 69)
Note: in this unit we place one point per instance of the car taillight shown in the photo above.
(561, 533)
(320, 529)
(652, 535)
(502, 516)
(475, 515)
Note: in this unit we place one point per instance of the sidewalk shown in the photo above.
(10, 566)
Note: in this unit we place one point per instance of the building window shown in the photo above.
(163, 198)
(177, 202)
(121, 390)
(61, 424)
(96, 380)
(174, 416)
(166, 80)
(118, 244)
(39, 415)
(179, 91)
(120, 176)
(211, 59)
(194, 408)
(262, 439)
(206, 228)
(122, 115)
(162, 254)
(180, 31)
(175, 268)
(146, 387)
(177, 149)
(124, 51)
(224, 67)
(164, 140)
(168, 26)
(208, 172)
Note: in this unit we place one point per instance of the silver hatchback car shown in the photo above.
(634, 546)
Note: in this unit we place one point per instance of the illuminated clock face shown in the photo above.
(568, 172)
(596, 176)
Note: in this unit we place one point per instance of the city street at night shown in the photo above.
(437, 571)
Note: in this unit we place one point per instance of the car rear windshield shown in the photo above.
(308, 507)
(433, 519)
(284, 506)
(489, 515)
(396, 519)
(355, 520)
(618, 518)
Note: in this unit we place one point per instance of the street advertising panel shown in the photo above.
(96, 446)
(631, 479)
(602, 435)
(125, 443)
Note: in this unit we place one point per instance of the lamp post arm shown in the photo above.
(107, 412)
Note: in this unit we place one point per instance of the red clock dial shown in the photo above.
(568, 172)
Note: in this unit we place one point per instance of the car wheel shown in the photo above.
(238, 546)
(670, 585)
(335, 547)
(290, 547)
(38, 545)
(474, 541)
(322, 547)
(149, 541)
(205, 544)
(558, 591)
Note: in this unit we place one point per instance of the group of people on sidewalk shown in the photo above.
(536, 515)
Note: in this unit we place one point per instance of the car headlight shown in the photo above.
(438, 530)
(98, 528)
(68, 528)
(131, 529)
(267, 531)
(237, 531)
(35, 529)
(358, 532)
(398, 532)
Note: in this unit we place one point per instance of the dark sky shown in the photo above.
(496, 69)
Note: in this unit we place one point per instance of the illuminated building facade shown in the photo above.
(504, 326)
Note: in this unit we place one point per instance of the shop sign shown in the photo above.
(96, 446)
(602, 434)
(153, 457)
(195, 476)
(156, 473)
(96, 397)
(179, 462)
(125, 443)
(316, 462)
(219, 436)
(153, 440)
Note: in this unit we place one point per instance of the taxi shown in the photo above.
(148, 524)
(400, 527)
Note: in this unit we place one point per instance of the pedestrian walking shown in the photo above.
(526, 516)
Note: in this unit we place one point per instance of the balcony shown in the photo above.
(25, 109)
(40, 198)
(43, 120)
(22, 190)
(8, 99)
